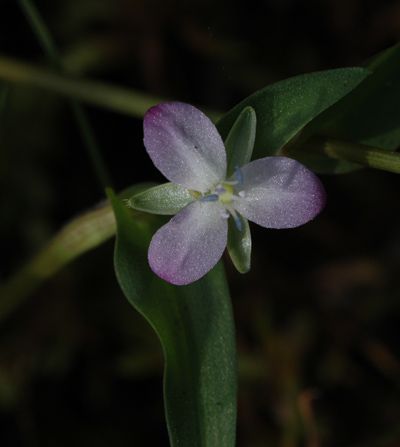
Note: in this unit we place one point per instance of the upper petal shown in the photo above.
(280, 193)
(190, 244)
(185, 145)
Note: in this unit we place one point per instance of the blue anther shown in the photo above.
(210, 198)
(239, 176)
(238, 223)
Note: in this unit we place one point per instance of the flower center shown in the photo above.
(225, 195)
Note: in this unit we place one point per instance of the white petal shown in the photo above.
(280, 193)
(185, 145)
(190, 244)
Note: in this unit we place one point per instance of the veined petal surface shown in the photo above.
(190, 244)
(280, 193)
(185, 145)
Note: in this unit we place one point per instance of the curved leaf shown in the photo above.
(369, 115)
(284, 108)
(195, 326)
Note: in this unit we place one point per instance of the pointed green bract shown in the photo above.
(285, 107)
(167, 198)
(369, 115)
(239, 148)
(239, 245)
(240, 140)
(195, 326)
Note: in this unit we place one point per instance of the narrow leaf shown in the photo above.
(369, 115)
(195, 326)
(285, 107)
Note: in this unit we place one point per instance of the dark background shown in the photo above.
(317, 316)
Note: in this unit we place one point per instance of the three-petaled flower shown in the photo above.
(274, 192)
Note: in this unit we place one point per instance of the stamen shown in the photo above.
(210, 198)
(224, 214)
(238, 223)
(220, 190)
(231, 210)
(240, 196)
(239, 176)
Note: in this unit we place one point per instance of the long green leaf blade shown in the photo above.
(369, 115)
(284, 108)
(195, 326)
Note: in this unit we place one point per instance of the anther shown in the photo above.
(239, 176)
(238, 223)
(210, 198)
(220, 190)
(224, 214)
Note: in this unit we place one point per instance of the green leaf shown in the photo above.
(239, 245)
(167, 198)
(82, 234)
(195, 326)
(240, 140)
(285, 107)
(369, 115)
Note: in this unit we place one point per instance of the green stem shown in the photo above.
(41, 31)
(369, 156)
(127, 101)
(44, 37)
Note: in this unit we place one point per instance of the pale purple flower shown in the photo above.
(274, 192)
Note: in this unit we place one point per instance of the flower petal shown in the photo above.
(190, 244)
(280, 193)
(185, 146)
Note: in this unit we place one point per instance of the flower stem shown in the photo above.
(369, 156)
(44, 37)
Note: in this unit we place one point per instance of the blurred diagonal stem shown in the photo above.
(127, 101)
(80, 235)
(369, 156)
(51, 52)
